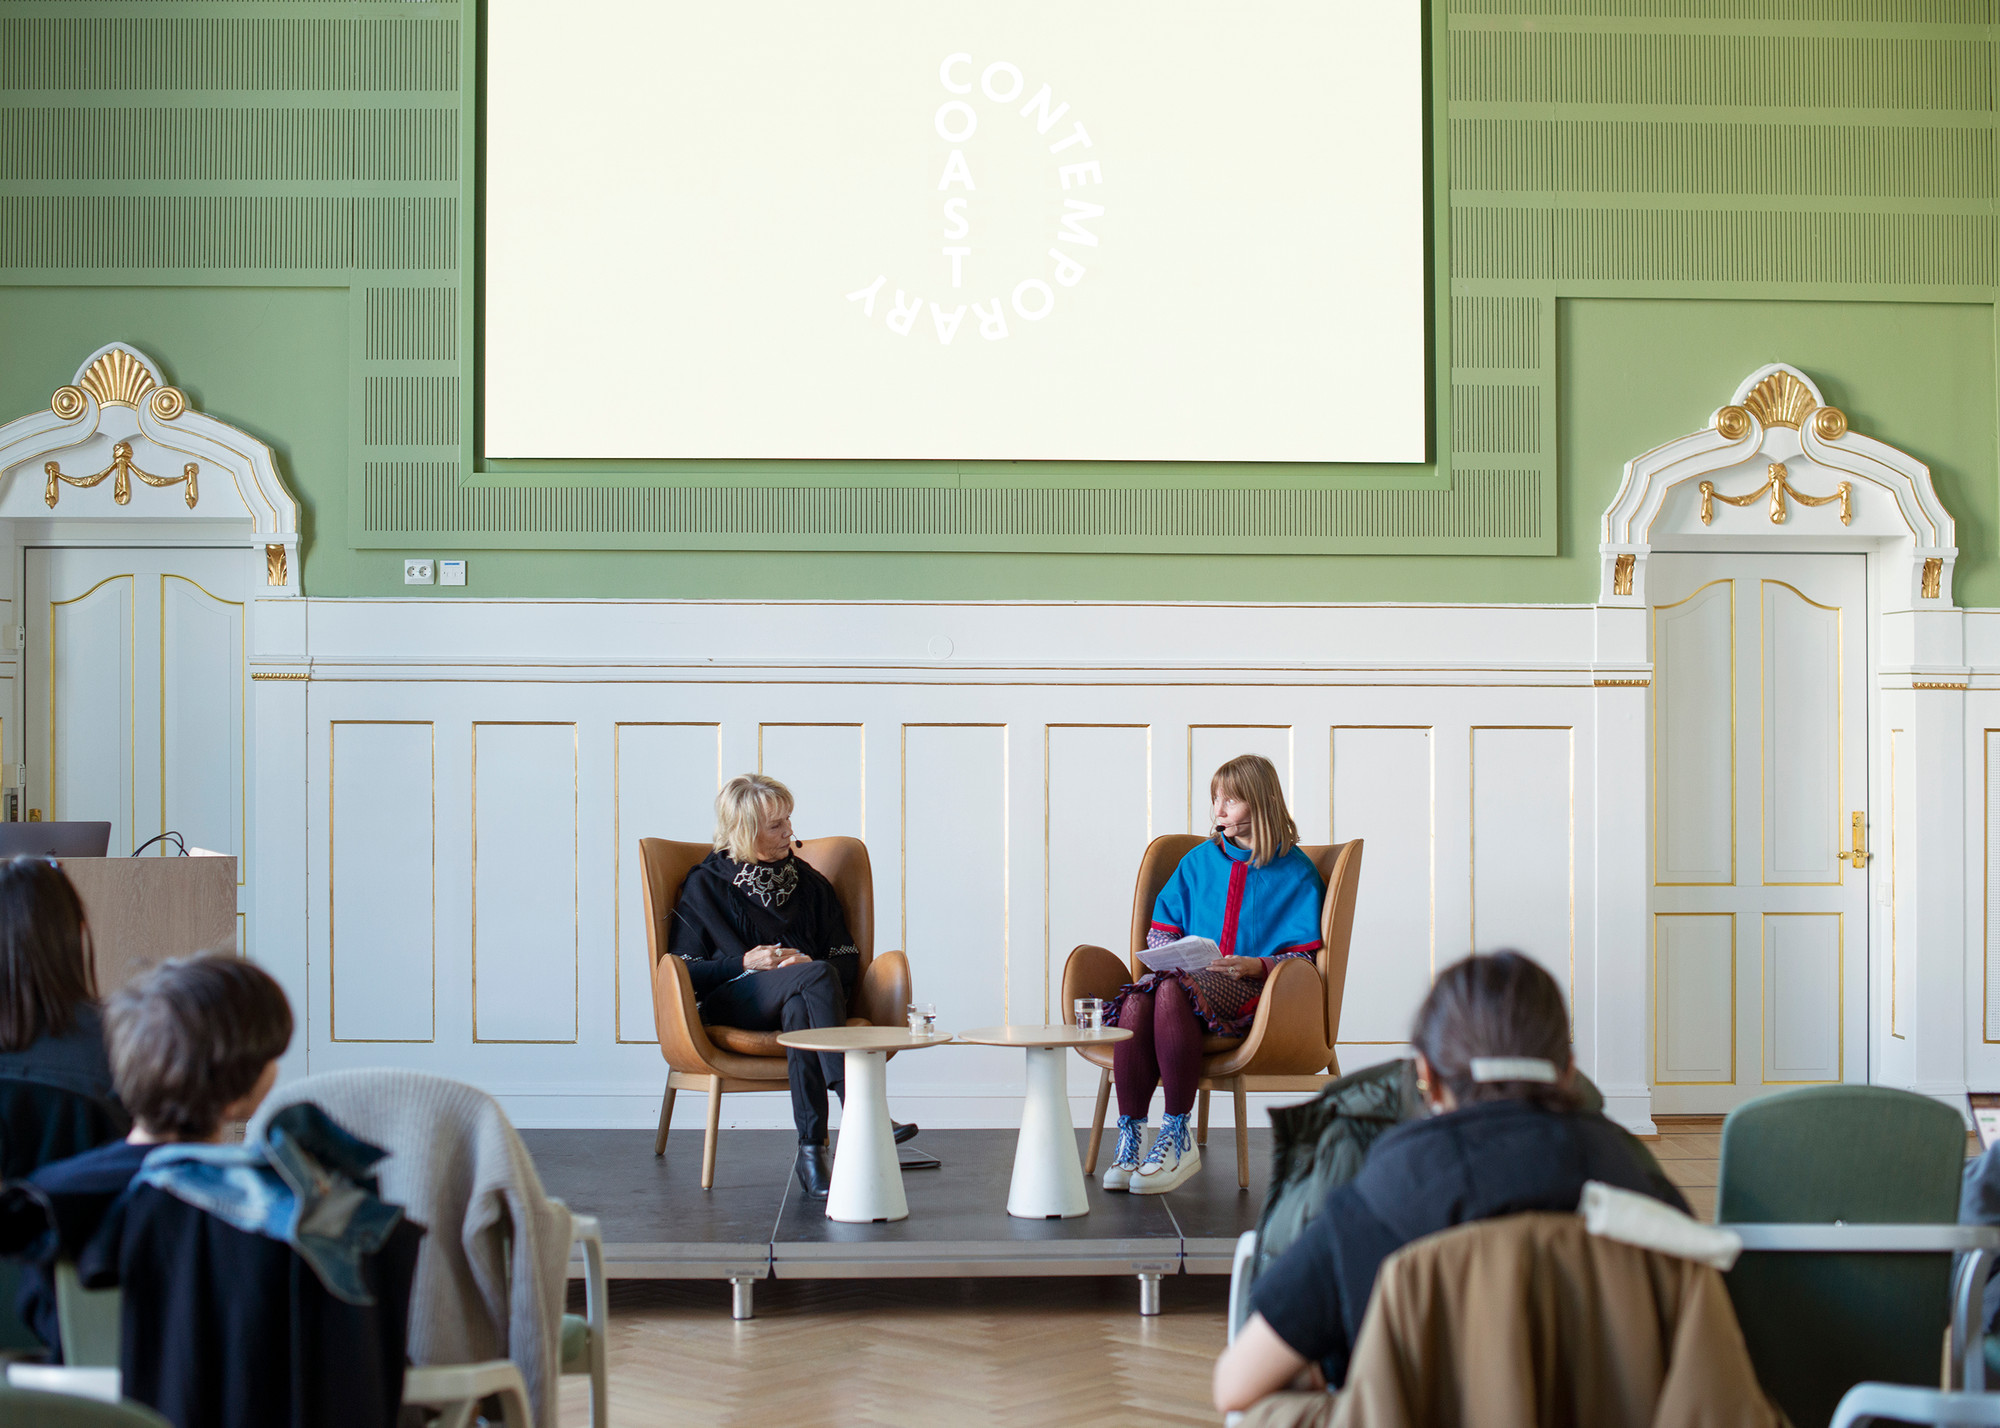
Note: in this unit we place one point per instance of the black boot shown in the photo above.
(815, 1170)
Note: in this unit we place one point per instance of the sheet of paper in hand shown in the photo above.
(1188, 954)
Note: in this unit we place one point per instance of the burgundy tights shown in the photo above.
(1165, 1048)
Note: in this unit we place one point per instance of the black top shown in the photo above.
(76, 1060)
(1488, 1159)
(727, 907)
(221, 1328)
(80, 1189)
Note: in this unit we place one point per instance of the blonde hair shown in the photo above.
(1252, 778)
(740, 810)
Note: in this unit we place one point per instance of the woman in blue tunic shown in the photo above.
(1252, 892)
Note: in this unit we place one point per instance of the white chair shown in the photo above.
(1868, 1402)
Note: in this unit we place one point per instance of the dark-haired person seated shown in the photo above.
(50, 1027)
(1505, 1136)
(194, 1047)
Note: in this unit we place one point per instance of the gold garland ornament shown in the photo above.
(1780, 488)
(122, 468)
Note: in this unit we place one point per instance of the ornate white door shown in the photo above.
(1759, 786)
(134, 693)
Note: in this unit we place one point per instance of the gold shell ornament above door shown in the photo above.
(117, 424)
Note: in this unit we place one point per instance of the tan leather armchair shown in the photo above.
(717, 1059)
(1290, 1043)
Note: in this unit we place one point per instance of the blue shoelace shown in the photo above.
(1130, 1128)
(1173, 1134)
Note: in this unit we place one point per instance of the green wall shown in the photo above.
(1646, 200)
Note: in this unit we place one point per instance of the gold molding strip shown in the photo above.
(1959, 685)
(1622, 683)
(279, 674)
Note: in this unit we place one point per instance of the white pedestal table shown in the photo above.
(867, 1177)
(1048, 1173)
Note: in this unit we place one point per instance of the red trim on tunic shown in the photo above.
(1301, 949)
(1239, 873)
(1168, 927)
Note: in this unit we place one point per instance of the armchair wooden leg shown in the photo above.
(666, 1116)
(1097, 1122)
(715, 1130)
(1242, 1136)
(1201, 1120)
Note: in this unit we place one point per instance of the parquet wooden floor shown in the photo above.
(1013, 1353)
(1689, 1149)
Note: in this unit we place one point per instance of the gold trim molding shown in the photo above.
(1933, 579)
(1779, 487)
(274, 565)
(1621, 573)
(1781, 400)
(1959, 685)
(1622, 683)
(279, 674)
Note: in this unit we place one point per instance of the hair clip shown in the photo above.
(1513, 1068)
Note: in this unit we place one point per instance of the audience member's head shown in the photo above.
(1253, 779)
(195, 1044)
(746, 803)
(45, 972)
(1495, 1028)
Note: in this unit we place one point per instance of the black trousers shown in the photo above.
(791, 999)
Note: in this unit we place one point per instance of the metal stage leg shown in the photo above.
(742, 1297)
(1149, 1295)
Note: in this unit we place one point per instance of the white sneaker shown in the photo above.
(1172, 1159)
(1125, 1158)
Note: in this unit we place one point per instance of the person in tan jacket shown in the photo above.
(1531, 1320)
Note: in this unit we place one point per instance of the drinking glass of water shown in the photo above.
(923, 1018)
(1089, 1014)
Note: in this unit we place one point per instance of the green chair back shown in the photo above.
(1817, 1324)
(88, 1320)
(30, 1408)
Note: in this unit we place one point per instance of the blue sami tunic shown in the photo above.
(1270, 912)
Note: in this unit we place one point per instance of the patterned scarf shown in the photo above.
(769, 884)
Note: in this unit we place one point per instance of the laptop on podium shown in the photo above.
(55, 840)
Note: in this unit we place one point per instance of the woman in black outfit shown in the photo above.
(51, 1031)
(1505, 1136)
(767, 947)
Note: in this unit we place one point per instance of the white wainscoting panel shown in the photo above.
(202, 707)
(1988, 843)
(954, 924)
(1694, 779)
(1802, 733)
(524, 882)
(1523, 845)
(667, 778)
(381, 880)
(826, 768)
(1005, 805)
(1212, 745)
(1802, 976)
(1694, 998)
(1382, 791)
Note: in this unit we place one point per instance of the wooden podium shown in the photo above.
(143, 911)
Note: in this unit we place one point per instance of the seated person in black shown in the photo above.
(1493, 1059)
(767, 948)
(194, 1047)
(50, 1029)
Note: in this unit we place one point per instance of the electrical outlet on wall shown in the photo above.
(417, 572)
(451, 572)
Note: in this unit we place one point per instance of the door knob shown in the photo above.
(1859, 855)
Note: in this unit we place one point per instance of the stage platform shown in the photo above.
(754, 1224)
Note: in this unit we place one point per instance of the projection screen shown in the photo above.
(1016, 230)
